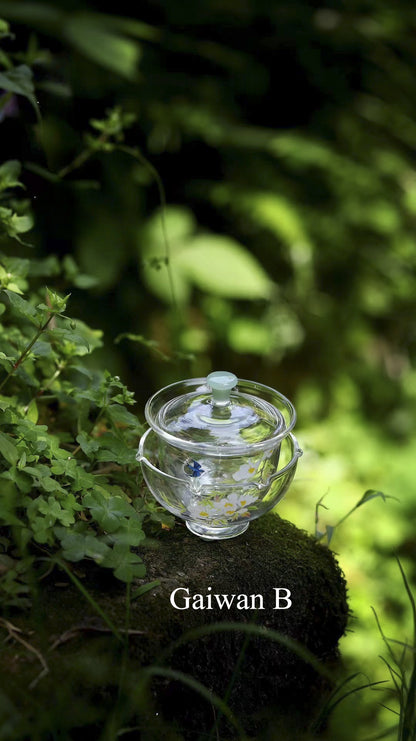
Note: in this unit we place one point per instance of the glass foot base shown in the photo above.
(217, 533)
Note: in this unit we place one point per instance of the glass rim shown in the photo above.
(215, 449)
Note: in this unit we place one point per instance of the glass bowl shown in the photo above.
(219, 452)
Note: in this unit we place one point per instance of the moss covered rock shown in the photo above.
(261, 678)
(98, 686)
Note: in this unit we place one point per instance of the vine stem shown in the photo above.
(81, 158)
(137, 154)
(61, 367)
(26, 351)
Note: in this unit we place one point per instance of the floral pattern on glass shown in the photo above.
(223, 510)
(246, 471)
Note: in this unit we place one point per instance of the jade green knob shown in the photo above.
(221, 383)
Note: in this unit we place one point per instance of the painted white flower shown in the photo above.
(246, 471)
(236, 504)
(205, 509)
(231, 507)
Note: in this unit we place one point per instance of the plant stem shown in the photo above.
(26, 351)
(81, 158)
(41, 391)
(137, 154)
(89, 599)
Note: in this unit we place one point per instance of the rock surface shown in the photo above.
(270, 678)
(271, 690)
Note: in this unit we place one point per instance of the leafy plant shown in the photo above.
(69, 478)
(330, 529)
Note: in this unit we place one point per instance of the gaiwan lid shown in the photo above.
(220, 415)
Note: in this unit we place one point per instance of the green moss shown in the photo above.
(272, 553)
(272, 688)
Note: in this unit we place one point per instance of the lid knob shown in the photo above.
(221, 383)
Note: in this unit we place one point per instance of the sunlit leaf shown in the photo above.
(372, 494)
(277, 213)
(247, 335)
(4, 29)
(112, 51)
(32, 411)
(223, 267)
(176, 225)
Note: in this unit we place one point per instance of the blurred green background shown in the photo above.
(249, 204)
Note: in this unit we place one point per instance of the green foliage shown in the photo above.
(67, 446)
(330, 529)
(19, 80)
(12, 223)
(213, 263)
(302, 185)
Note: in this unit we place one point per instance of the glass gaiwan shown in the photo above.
(219, 452)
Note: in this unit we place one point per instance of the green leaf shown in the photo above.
(45, 267)
(89, 446)
(77, 340)
(4, 29)
(144, 588)
(214, 263)
(50, 507)
(9, 175)
(77, 546)
(66, 518)
(126, 565)
(73, 274)
(129, 533)
(8, 449)
(23, 307)
(223, 267)
(249, 335)
(48, 483)
(22, 461)
(32, 411)
(30, 12)
(179, 226)
(83, 480)
(13, 224)
(7, 362)
(112, 51)
(373, 494)
(277, 214)
(74, 546)
(19, 80)
(129, 571)
(114, 449)
(21, 479)
(42, 349)
(42, 529)
(109, 513)
(162, 517)
(121, 415)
